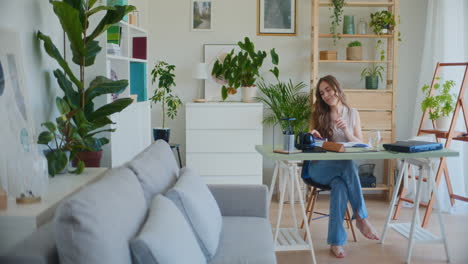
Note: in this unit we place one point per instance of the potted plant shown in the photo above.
(64, 138)
(163, 74)
(372, 75)
(286, 100)
(337, 11)
(382, 22)
(74, 16)
(440, 104)
(354, 51)
(241, 69)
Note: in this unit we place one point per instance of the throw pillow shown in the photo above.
(165, 237)
(200, 208)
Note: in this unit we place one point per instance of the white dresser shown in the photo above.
(221, 139)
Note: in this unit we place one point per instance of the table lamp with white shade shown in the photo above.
(200, 72)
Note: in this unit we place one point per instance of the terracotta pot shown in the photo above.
(354, 53)
(91, 159)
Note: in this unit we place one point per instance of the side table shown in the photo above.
(176, 146)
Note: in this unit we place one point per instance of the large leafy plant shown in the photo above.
(74, 17)
(241, 69)
(285, 99)
(442, 102)
(163, 74)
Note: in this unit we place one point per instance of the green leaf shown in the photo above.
(224, 93)
(62, 106)
(50, 126)
(109, 109)
(45, 137)
(68, 16)
(55, 54)
(91, 3)
(111, 17)
(72, 97)
(102, 85)
(80, 166)
(79, 5)
(274, 57)
(91, 51)
(99, 9)
(57, 161)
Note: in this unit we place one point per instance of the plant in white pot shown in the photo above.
(241, 69)
(440, 103)
(163, 74)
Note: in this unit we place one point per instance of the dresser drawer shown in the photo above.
(231, 164)
(223, 140)
(224, 116)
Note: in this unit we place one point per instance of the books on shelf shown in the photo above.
(139, 48)
(114, 34)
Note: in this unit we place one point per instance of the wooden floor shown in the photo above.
(367, 251)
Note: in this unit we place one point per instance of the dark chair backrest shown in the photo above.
(308, 179)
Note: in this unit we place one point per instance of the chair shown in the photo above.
(314, 191)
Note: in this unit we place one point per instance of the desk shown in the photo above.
(354, 154)
(21, 220)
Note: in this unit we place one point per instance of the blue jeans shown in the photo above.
(343, 178)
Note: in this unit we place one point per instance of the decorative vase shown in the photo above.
(249, 93)
(362, 27)
(354, 53)
(348, 25)
(91, 159)
(372, 82)
(443, 123)
(162, 133)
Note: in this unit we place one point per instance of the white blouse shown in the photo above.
(349, 115)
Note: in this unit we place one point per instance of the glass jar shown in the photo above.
(362, 27)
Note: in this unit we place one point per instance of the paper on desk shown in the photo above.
(352, 143)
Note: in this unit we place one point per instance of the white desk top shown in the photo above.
(60, 187)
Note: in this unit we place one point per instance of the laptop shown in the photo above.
(412, 146)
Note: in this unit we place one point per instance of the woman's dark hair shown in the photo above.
(321, 119)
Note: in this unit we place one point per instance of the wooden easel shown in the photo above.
(449, 135)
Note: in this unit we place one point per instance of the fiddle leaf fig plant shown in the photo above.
(163, 74)
(241, 69)
(442, 102)
(74, 16)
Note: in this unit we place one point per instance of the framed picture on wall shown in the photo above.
(201, 14)
(277, 17)
(213, 52)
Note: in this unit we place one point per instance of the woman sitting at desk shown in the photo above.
(333, 119)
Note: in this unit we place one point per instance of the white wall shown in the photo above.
(172, 40)
(27, 17)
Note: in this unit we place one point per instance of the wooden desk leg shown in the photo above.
(430, 204)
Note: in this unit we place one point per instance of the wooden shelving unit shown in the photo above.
(376, 107)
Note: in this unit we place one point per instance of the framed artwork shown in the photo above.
(277, 17)
(213, 52)
(201, 14)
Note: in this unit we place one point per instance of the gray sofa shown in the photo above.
(114, 209)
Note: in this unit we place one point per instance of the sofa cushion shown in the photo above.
(155, 168)
(96, 224)
(166, 237)
(198, 205)
(245, 240)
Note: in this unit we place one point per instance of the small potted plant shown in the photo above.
(372, 75)
(62, 141)
(382, 22)
(354, 51)
(241, 69)
(163, 73)
(440, 104)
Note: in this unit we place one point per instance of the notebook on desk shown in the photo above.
(412, 146)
